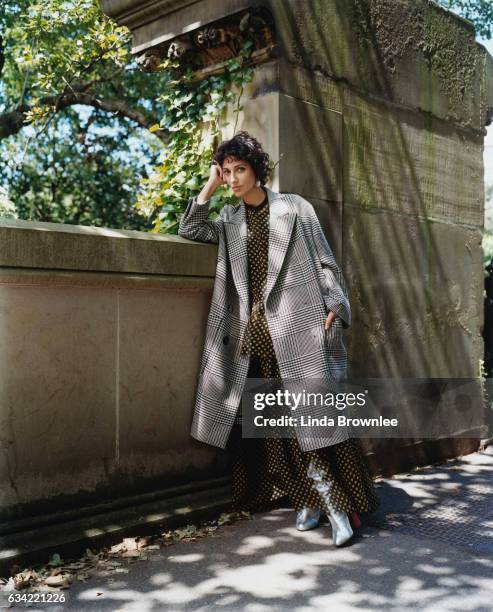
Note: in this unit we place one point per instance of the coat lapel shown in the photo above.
(236, 246)
(281, 222)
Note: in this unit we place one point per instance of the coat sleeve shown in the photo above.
(195, 224)
(335, 295)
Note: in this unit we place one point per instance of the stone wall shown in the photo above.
(101, 333)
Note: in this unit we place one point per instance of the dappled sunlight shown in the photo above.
(423, 547)
(317, 537)
(129, 599)
(251, 566)
(378, 571)
(254, 543)
(9, 552)
(425, 488)
(434, 569)
(273, 519)
(277, 575)
(411, 589)
(97, 531)
(190, 558)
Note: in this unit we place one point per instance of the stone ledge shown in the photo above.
(69, 278)
(153, 22)
(58, 246)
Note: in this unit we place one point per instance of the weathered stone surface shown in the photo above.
(163, 20)
(416, 289)
(412, 164)
(102, 332)
(412, 53)
(95, 389)
(311, 136)
(382, 156)
(28, 244)
(57, 382)
(161, 337)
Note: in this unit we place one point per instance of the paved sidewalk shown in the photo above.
(429, 547)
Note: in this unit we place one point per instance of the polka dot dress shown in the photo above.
(257, 340)
(267, 469)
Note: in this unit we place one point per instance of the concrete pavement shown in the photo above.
(429, 547)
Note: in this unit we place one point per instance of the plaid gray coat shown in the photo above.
(303, 283)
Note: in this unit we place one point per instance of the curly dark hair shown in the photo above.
(245, 147)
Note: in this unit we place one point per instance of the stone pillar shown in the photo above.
(376, 111)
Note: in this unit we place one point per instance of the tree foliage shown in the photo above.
(184, 165)
(75, 113)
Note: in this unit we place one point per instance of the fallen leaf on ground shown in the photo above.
(61, 581)
(25, 578)
(56, 574)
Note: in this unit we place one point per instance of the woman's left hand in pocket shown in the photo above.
(328, 321)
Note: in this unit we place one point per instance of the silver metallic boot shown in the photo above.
(341, 527)
(308, 518)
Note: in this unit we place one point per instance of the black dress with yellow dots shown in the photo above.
(270, 468)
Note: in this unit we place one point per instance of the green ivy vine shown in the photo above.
(184, 164)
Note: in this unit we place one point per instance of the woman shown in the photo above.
(278, 309)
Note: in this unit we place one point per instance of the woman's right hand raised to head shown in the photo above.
(216, 175)
(215, 181)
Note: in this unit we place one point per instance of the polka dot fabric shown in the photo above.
(257, 340)
(267, 469)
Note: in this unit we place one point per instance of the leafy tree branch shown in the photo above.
(13, 121)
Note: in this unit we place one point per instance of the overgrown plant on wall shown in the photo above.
(185, 161)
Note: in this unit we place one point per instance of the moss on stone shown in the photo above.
(446, 43)
(452, 54)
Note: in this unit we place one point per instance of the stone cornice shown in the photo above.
(208, 47)
(135, 14)
(153, 22)
(204, 40)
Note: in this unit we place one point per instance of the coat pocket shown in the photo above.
(333, 335)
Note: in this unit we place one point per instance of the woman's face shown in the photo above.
(239, 175)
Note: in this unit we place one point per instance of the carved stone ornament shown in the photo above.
(211, 45)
